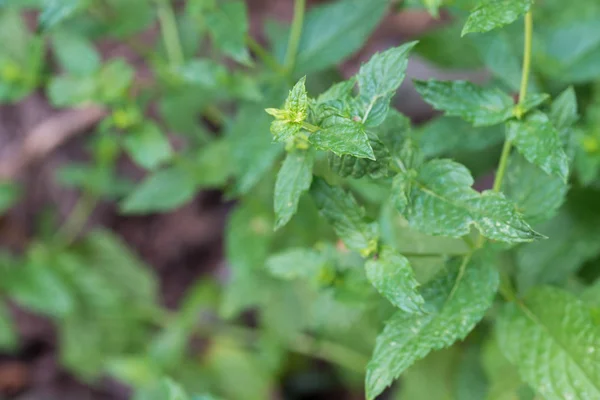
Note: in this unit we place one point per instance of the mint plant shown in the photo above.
(451, 259)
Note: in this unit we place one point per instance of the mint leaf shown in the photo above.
(563, 110)
(8, 335)
(346, 216)
(147, 145)
(334, 31)
(293, 179)
(9, 195)
(227, 24)
(75, 53)
(252, 148)
(163, 190)
(341, 136)
(347, 165)
(493, 14)
(288, 121)
(437, 199)
(536, 194)
(378, 81)
(530, 102)
(537, 139)
(295, 263)
(393, 277)
(480, 106)
(56, 11)
(552, 339)
(205, 73)
(459, 299)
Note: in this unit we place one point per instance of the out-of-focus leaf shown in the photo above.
(147, 145)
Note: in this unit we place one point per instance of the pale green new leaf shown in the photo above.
(378, 81)
(147, 145)
(334, 31)
(392, 275)
(553, 340)
(493, 14)
(459, 298)
(480, 106)
(288, 121)
(228, 27)
(343, 136)
(346, 216)
(438, 200)
(293, 179)
(537, 139)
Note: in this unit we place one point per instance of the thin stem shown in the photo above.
(526, 56)
(295, 35)
(77, 218)
(329, 351)
(522, 94)
(263, 54)
(170, 34)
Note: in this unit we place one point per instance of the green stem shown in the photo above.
(170, 34)
(263, 55)
(78, 218)
(522, 94)
(295, 35)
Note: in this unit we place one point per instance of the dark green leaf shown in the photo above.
(460, 298)
(553, 341)
(438, 200)
(334, 31)
(537, 139)
(536, 194)
(493, 14)
(378, 81)
(8, 335)
(293, 179)
(9, 195)
(228, 26)
(343, 136)
(56, 11)
(346, 216)
(480, 106)
(393, 277)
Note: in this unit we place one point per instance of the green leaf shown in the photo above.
(536, 194)
(147, 145)
(346, 216)
(204, 73)
(56, 11)
(252, 148)
(438, 200)
(480, 106)
(393, 277)
(64, 91)
(537, 139)
(378, 81)
(115, 78)
(8, 334)
(571, 242)
(295, 263)
(563, 110)
(343, 136)
(288, 121)
(293, 179)
(166, 389)
(530, 102)
(228, 27)
(347, 165)
(163, 190)
(9, 195)
(333, 32)
(553, 340)
(493, 14)
(212, 164)
(459, 299)
(75, 53)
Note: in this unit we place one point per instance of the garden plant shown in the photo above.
(455, 258)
